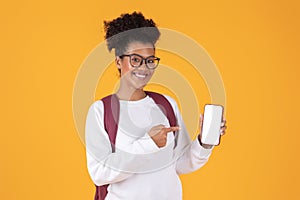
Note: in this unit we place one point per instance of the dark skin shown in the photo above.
(132, 82)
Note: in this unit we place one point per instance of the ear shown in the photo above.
(118, 62)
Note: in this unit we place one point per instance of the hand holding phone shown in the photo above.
(212, 122)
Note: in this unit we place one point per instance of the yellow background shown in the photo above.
(255, 45)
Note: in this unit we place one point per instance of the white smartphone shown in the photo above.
(211, 126)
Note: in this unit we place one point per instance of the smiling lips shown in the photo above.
(140, 75)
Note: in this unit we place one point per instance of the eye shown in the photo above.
(136, 59)
(151, 60)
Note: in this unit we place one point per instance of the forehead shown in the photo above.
(144, 49)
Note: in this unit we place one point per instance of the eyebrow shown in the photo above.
(138, 55)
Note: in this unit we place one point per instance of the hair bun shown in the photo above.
(133, 28)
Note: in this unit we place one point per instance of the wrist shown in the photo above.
(206, 146)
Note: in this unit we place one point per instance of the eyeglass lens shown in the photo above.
(137, 61)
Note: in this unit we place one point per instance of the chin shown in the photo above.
(140, 86)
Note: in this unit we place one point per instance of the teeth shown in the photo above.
(140, 75)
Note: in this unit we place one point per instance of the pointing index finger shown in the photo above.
(170, 129)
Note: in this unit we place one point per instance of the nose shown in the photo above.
(143, 65)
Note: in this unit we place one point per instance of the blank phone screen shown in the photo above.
(211, 124)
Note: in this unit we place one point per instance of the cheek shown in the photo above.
(125, 68)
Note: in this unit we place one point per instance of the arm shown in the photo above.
(193, 156)
(104, 166)
(189, 155)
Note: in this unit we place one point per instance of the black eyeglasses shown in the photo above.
(137, 60)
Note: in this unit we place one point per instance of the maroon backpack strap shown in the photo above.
(111, 119)
(164, 104)
(101, 192)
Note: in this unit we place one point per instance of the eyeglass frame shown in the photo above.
(142, 61)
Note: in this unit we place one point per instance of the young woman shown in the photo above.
(147, 158)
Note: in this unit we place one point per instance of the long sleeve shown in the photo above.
(104, 166)
(189, 155)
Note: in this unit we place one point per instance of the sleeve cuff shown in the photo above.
(203, 152)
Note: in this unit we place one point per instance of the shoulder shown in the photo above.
(171, 101)
(96, 107)
(97, 104)
(167, 97)
(156, 94)
(174, 105)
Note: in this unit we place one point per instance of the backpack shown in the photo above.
(111, 119)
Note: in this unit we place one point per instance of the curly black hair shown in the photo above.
(129, 28)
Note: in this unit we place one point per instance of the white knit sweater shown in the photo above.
(139, 170)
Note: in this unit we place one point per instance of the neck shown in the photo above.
(133, 95)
